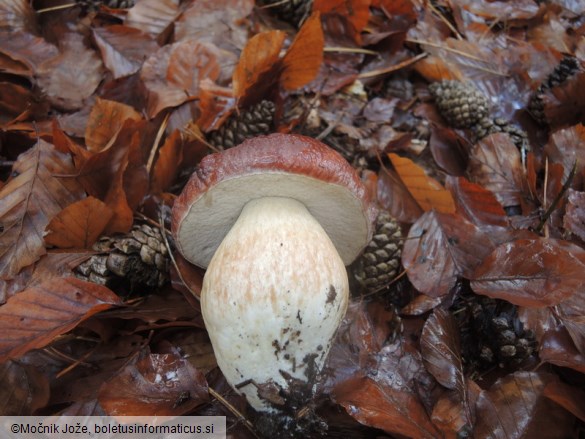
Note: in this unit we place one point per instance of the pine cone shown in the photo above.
(568, 66)
(460, 103)
(379, 264)
(291, 11)
(94, 5)
(252, 122)
(136, 259)
(487, 126)
(491, 333)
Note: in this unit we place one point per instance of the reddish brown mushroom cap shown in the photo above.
(278, 165)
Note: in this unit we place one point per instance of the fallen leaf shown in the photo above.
(123, 48)
(515, 407)
(396, 198)
(567, 146)
(152, 16)
(69, 79)
(556, 347)
(570, 397)
(36, 184)
(495, 164)
(154, 385)
(23, 389)
(168, 162)
(34, 317)
(531, 272)
(105, 121)
(574, 219)
(257, 59)
(563, 105)
(303, 59)
(451, 414)
(26, 52)
(427, 192)
(441, 247)
(17, 15)
(476, 203)
(357, 12)
(79, 225)
(572, 313)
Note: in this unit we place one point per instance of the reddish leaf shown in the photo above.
(441, 350)
(29, 201)
(153, 16)
(557, 348)
(566, 147)
(356, 11)
(105, 121)
(79, 225)
(152, 386)
(531, 272)
(258, 57)
(563, 105)
(572, 313)
(123, 48)
(395, 197)
(26, 51)
(515, 407)
(172, 74)
(475, 203)
(34, 317)
(169, 160)
(303, 59)
(495, 164)
(570, 397)
(574, 219)
(17, 15)
(448, 150)
(71, 78)
(451, 414)
(23, 389)
(420, 305)
(440, 248)
(427, 192)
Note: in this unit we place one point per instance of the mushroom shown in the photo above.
(274, 220)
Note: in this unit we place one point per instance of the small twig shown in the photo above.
(202, 139)
(77, 363)
(6, 163)
(56, 8)
(233, 410)
(558, 198)
(349, 50)
(395, 67)
(444, 20)
(383, 287)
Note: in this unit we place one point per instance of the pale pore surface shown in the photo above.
(275, 291)
(338, 211)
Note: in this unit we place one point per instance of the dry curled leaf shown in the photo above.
(531, 272)
(152, 16)
(37, 184)
(34, 317)
(23, 389)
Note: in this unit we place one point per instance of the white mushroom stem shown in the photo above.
(273, 297)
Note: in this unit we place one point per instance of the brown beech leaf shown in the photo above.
(570, 397)
(420, 305)
(123, 48)
(574, 219)
(105, 121)
(557, 347)
(396, 198)
(357, 12)
(302, 61)
(495, 164)
(567, 147)
(152, 386)
(572, 313)
(531, 272)
(451, 414)
(173, 73)
(258, 57)
(563, 105)
(441, 350)
(34, 317)
(23, 389)
(152, 16)
(515, 407)
(17, 15)
(79, 225)
(69, 79)
(25, 52)
(28, 201)
(441, 247)
(476, 203)
(168, 162)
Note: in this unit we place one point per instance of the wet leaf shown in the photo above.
(572, 313)
(567, 146)
(168, 162)
(451, 414)
(123, 48)
(154, 385)
(557, 348)
(34, 317)
(355, 11)
(563, 105)
(37, 184)
(531, 272)
(69, 79)
(396, 198)
(105, 121)
(570, 397)
(79, 225)
(495, 164)
(440, 248)
(427, 192)
(303, 59)
(515, 407)
(23, 389)
(152, 16)
(574, 219)
(258, 57)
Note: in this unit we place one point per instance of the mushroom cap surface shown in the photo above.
(277, 165)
